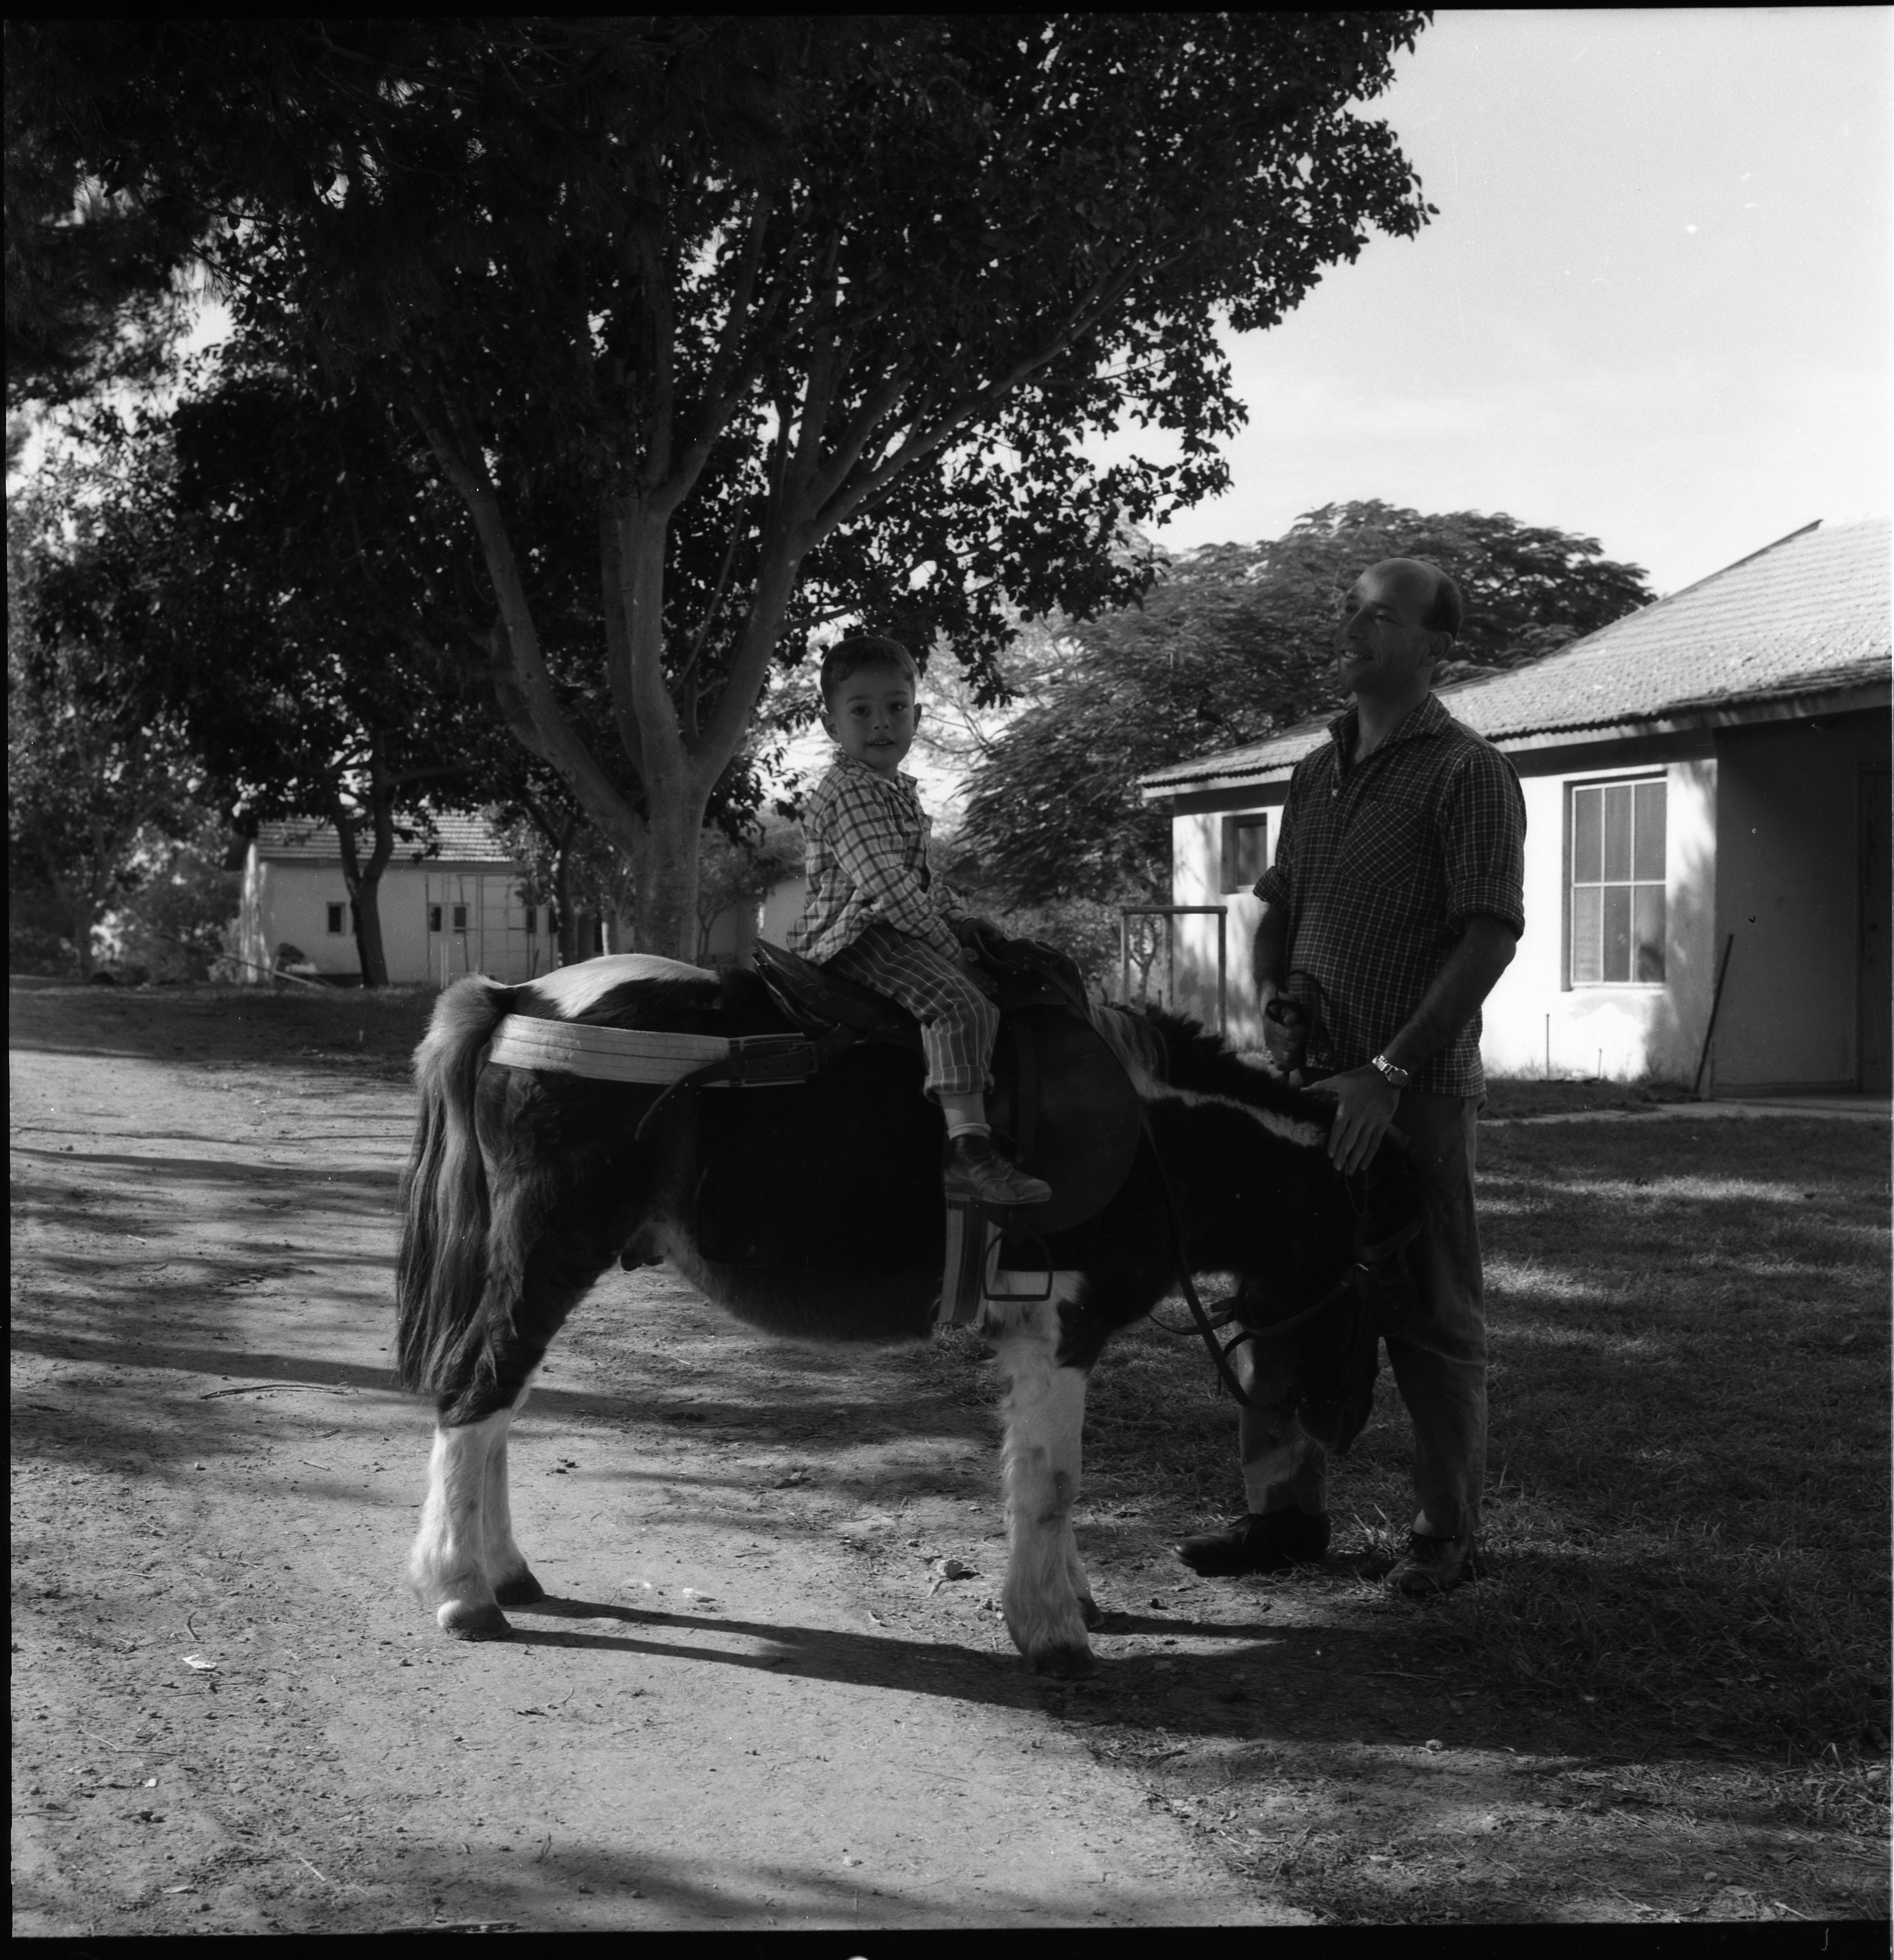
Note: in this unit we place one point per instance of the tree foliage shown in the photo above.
(221, 582)
(810, 314)
(94, 779)
(1232, 644)
(180, 923)
(94, 292)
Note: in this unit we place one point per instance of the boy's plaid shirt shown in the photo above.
(1379, 867)
(866, 853)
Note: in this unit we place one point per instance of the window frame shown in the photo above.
(1234, 825)
(1569, 885)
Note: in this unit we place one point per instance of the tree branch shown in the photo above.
(522, 683)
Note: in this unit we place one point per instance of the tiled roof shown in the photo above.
(1806, 615)
(464, 840)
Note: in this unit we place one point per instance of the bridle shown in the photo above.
(1359, 1279)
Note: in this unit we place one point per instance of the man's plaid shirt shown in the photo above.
(866, 853)
(1379, 866)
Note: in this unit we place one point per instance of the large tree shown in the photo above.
(813, 314)
(1233, 642)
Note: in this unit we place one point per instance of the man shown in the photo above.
(1395, 903)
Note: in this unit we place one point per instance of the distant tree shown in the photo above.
(813, 314)
(1231, 643)
(740, 871)
(93, 778)
(263, 568)
(181, 920)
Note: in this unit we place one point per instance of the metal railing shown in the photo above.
(1172, 913)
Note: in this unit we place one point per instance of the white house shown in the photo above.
(461, 911)
(458, 912)
(1707, 793)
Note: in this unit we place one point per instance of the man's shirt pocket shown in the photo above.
(1383, 842)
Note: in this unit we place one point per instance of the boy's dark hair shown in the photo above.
(864, 650)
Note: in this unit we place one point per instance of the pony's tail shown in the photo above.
(440, 1273)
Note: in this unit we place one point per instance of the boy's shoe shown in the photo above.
(1435, 1565)
(976, 1169)
(1263, 1542)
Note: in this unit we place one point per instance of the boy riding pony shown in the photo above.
(875, 914)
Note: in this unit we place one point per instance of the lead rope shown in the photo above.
(1219, 1359)
(1358, 1268)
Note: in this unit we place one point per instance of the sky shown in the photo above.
(1654, 307)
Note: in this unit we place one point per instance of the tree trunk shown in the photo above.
(568, 934)
(364, 882)
(80, 914)
(667, 878)
(369, 950)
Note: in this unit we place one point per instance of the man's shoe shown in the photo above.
(1435, 1565)
(1268, 1542)
(976, 1170)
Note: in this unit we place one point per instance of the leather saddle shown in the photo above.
(1061, 1105)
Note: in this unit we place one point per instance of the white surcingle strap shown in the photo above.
(605, 1054)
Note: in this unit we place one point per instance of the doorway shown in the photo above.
(1874, 994)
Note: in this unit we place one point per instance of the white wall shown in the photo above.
(1626, 1030)
(1786, 887)
(1197, 880)
(1630, 1031)
(287, 902)
(780, 911)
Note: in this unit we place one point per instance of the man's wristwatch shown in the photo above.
(1398, 1076)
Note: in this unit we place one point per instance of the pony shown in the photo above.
(815, 1211)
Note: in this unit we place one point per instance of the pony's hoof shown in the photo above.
(473, 1623)
(522, 1590)
(1093, 1614)
(1065, 1663)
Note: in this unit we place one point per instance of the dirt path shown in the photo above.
(742, 1706)
(753, 1699)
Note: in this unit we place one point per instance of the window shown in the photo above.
(334, 918)
(1617, 856)
(460, 918)
(1245, 850)
(434, 918)
(531, 915)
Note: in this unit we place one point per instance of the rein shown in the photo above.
(1355, 1280)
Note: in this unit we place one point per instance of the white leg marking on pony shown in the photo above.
(1045, 1412)
(508, 1572)
(1088, 1607)
(447, 1567)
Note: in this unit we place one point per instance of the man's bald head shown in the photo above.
(1440, 609)
(1398, 621)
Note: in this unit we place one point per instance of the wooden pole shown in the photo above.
(1716, 1001)
(1223, 985)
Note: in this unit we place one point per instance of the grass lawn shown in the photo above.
(1527, 1095)
(378, 1031)
(1687, 1511)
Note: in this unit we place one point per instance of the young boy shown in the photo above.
(874, 915)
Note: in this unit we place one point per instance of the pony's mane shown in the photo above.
(1196, 1060)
